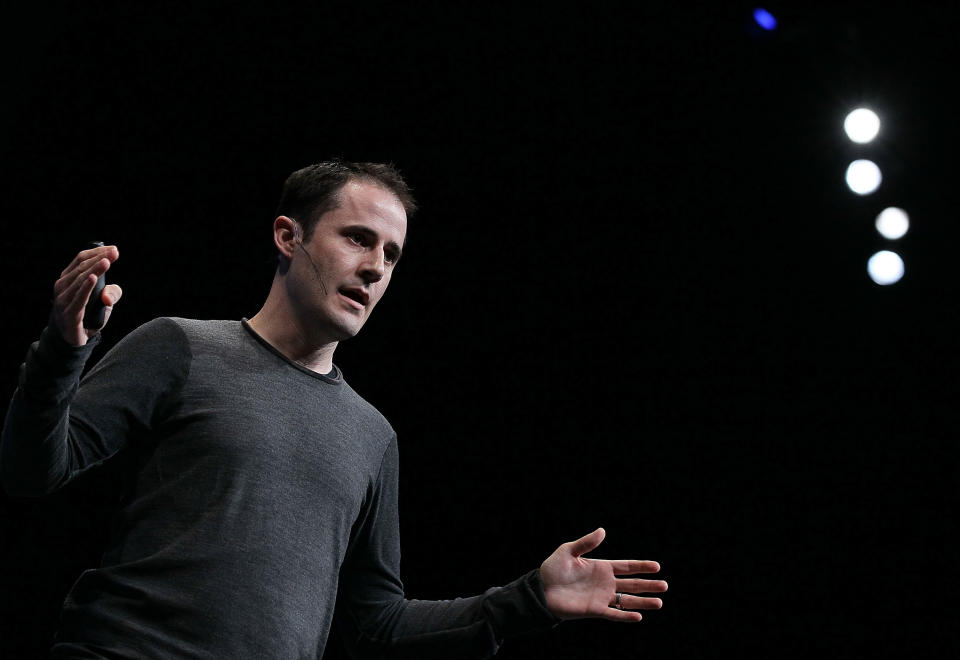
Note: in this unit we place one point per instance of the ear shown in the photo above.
(285, 235)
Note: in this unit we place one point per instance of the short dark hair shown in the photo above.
(310, 192)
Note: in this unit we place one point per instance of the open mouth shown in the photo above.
(359, 296)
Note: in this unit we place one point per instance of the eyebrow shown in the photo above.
(362, 229)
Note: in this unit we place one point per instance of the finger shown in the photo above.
(73, 279)
(637, 586)
(585, 544)
(75, 298)
(613, 614)
(85, 257)
(82, 256)
(67, 290)
(633, 566)
(629, 602)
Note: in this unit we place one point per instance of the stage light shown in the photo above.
(764, 19)
(862, 125)
(885, 267)
(893, 223)
(863, 176)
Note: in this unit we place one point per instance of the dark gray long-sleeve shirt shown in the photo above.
(265, 495)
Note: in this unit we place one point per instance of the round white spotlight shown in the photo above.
(893, 223)
(862, 125)
(885, 267)
(863, 176)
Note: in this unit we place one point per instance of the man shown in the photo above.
(265, 492)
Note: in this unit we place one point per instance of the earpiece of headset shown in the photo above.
(296, 237)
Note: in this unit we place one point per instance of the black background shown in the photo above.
(635, 295)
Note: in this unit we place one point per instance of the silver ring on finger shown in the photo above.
(617, 604)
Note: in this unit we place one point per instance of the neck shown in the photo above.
(285, 331)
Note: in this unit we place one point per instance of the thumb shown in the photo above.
(585, 544)
(111, 294)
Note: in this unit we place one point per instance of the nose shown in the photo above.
(373, 267)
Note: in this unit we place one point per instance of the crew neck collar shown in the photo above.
(335, 376)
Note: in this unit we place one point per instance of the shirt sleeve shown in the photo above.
(57, 426)
(377, 621)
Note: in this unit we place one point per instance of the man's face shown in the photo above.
(353, 249)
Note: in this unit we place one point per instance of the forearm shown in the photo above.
(378, 621)
(462, 628)
(34, 456)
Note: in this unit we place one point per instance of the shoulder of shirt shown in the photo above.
(192, 330)
(369, 412)
(166, 332)
(198, 326)
(196, 330)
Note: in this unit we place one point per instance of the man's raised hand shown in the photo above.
(72, 291)
(577, 587)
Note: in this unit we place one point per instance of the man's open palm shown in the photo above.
(578, 587)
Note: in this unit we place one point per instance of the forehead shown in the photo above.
(370, 204)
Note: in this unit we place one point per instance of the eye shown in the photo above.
(357, 237)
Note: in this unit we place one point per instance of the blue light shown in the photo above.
(764, 19)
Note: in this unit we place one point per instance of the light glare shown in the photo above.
(863, 176)
(862, 125)
(885, 267)
(893, 223)
(764, 19)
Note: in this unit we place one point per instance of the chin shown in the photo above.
(349, 331)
